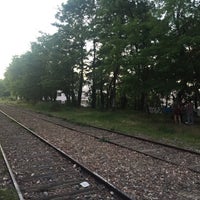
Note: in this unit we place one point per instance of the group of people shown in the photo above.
(183, 113)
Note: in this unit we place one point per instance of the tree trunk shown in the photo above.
(81, 77)
(94, 76)
(80, 87)
(142, 101)
(113, 98)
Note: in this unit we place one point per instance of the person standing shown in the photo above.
(189, 112)
(177, 113)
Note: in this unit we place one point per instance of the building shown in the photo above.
(84, 99)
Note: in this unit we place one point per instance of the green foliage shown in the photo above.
(127, 51)
(4, 92)
(23, 76)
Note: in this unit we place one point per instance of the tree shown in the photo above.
(59, 71)
(24, 76)
(179, 46)
(3, 89)
(73, 22)
(112, 20)
(129, 52)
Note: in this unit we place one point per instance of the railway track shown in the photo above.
(164, 152)
(171, 154)
(43, 172)
(7, 189)
(140, 174)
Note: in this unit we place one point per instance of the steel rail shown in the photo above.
(93, 174)
(117, 132)
(129, 148)
(19, 193)
(149, 140)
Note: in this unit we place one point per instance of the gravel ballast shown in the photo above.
(141, 177)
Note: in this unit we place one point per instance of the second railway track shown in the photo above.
(43, 173)
(164, 152)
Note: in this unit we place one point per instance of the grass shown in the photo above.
(8, 194)
(155, 126)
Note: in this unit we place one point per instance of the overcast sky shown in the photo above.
(21, 21)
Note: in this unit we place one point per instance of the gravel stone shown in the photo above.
(140, 176)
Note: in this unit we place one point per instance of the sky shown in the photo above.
(20, 24)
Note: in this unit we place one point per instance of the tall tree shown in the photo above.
(59, 71)
(140, 52)
(73, 21)
(112, 17)
(179, 46)
(23, 76)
